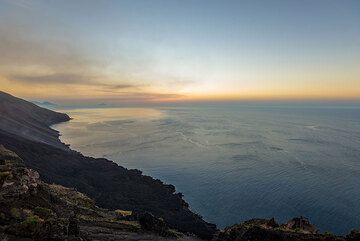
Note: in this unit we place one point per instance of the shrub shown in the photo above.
(123, 213)
(32, 221)
(2, 218)
(15, 213)
(44, 213)
(353, 236)
(328, 233)
(4, 175)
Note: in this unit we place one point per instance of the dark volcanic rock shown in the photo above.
(29, 121)
(24, 129)
(73, 227)
(300, 223)
(266, 223)
(353, 236)
(150, 222)
(297, 229)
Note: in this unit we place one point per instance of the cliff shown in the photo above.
(25, 129)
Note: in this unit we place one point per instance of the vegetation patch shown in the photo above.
(44, 213)
(32, 221)
(131, 223)
(4, 175)
(72, 196)
(122, 213)
(15, 213)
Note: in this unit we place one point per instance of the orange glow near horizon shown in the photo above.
(83, 93)
(146, 58)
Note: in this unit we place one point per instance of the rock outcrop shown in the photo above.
(296, 229)
(300, 224)
(15, 179)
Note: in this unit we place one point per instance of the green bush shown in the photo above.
(328, 233)
(15, 213)
(120, 214)
(4, 175)
(2, 218)
(44, 213)
(32, 224)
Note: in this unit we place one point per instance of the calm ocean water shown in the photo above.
(234, 161)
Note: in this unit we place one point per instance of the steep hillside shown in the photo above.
(25, 130)
(29, 121)
(30, 208)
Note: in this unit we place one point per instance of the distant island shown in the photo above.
(44, 103)
(50, 192)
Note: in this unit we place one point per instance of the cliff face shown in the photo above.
(24, 129)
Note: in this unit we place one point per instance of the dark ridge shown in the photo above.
(33, 210)
(29, 121)
(24, 129)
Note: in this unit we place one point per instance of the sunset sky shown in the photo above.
(168, 50)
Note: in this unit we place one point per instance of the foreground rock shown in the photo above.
(30, 208)
(24, 129)
(297, 229)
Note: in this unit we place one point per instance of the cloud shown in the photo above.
(18, 48)
(123, 86)
(141, 97)
(24, 57)
(69, 79)
(34, 62)
(20, 3)
(60, 78)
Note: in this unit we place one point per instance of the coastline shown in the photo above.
(115, 187)
(295, 229)
(110, 185)
(225, 182)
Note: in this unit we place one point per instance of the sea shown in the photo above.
(234, 161)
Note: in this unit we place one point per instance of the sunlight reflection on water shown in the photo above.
(93, 115)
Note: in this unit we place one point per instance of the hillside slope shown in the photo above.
(25, 130)
(29, 121)
(30, 208)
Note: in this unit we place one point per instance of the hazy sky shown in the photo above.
(179, 50)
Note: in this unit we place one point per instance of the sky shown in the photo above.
(152, 50)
